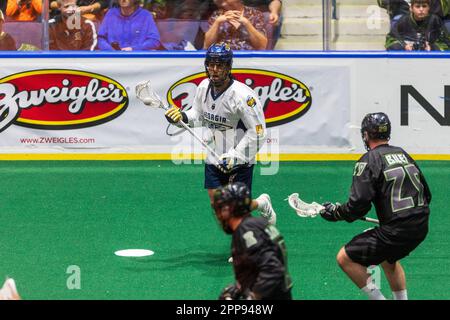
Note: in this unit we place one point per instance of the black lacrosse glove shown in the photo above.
(230, 292)
(331, 211)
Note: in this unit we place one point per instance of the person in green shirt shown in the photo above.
(418, 31)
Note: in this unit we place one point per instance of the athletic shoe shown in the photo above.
(230, 260)
(9, 290)
(267, 210)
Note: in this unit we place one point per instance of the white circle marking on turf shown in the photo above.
(134, 253)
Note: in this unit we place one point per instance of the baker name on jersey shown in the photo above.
(396, 158)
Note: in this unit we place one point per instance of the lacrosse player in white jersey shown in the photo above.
(234, 118)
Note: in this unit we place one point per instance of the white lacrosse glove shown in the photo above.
(227, 163)
(173, 115)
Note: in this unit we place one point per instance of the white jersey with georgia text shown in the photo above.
(235, 120)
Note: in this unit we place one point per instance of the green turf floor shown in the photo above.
(58, 214)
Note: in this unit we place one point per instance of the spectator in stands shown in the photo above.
(240, 26)
(211, 7)
(128, 28)
(166, 9)
(395, 8)
(70, 30)
(418, 31)
(93, 10)
(24, 10)
(7, 43)
(273, 7)
(3, 5)
(190, 9)
(158, 8)
(442, 9)
(272, 17)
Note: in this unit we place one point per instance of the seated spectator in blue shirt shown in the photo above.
(128, 28)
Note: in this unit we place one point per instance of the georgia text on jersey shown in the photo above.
(234, 119)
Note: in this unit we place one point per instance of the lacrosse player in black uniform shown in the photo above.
(390, 179)
(258, 249)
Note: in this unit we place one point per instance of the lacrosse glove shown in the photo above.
(226, 163)
(331, 211)
(174, 115)
(230, 292)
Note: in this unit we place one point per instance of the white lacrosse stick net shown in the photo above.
(303, 208)
(148, 96)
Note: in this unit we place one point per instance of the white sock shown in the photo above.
(400, 295)
(373, 292)
(4, 295)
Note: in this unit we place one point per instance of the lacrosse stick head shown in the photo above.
(147, 95)
(302, 208)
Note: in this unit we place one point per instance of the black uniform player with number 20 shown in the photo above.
(258, 249)
(389, 178)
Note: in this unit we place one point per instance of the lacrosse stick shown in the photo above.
(311, 210)
(149, 97)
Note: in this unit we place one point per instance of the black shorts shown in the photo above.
(214, 178)
(390, 242)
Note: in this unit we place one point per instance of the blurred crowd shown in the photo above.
(136, 25)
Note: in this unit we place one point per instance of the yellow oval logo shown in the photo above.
(283, 97)
(60, 99)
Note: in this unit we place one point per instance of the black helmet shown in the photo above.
(377, 125)
(236, 195)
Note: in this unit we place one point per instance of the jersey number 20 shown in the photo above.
(398, 175)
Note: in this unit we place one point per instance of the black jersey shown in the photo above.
(407, 29)
(390, 179)
(259, 259)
